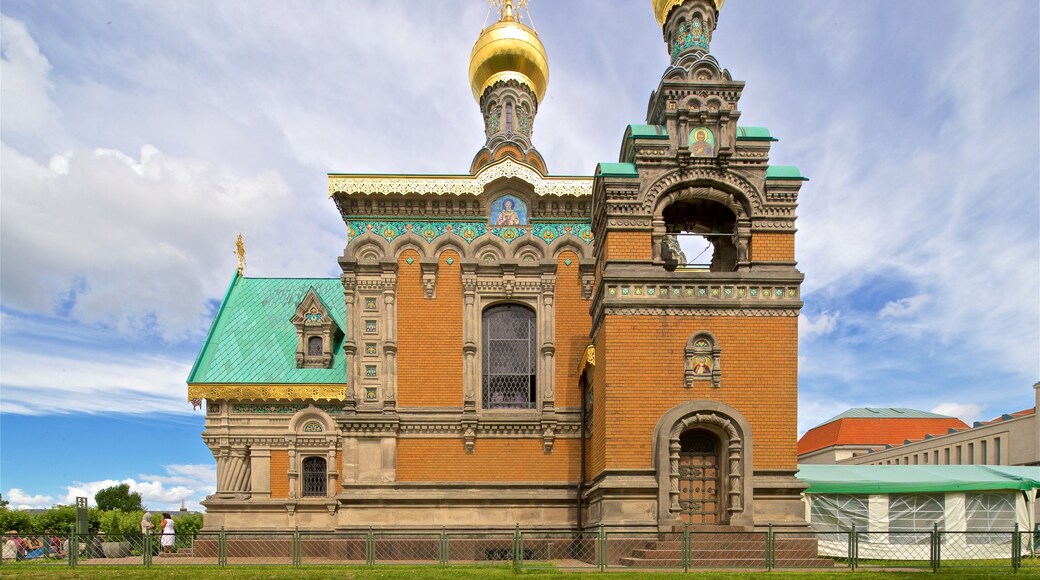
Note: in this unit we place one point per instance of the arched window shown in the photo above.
(315, 477)
(509, 116)
(314, 346)
(510, 358)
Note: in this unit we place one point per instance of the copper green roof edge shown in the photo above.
(884, 413)
(616, 170)
(784, 172)
(754, 134)
(880, 479)
(646, 132)
(213, 327)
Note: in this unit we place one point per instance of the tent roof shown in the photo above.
(867, 479)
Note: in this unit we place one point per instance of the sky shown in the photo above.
(139, 138)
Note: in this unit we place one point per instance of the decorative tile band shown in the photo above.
(469, 231)
(724, 292)
(269, 409)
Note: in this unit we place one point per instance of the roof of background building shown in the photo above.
(876, 426)
(253, 340)
(866, 479)
(885, 413)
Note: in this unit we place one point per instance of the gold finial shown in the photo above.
(240, 251)
(506, 11)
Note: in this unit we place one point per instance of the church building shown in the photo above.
(505, 346)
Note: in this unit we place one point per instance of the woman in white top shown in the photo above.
(167, 531)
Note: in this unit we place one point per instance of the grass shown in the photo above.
(430, 573)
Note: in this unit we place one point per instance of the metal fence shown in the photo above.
(685, 549)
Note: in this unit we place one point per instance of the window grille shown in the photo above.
(915, 513)
(314, 346)
(314, 477)
(990, 512)
(510, 358)
(837, 513)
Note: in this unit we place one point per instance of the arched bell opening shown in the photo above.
(699, 234)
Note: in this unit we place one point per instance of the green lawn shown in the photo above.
(425, 573)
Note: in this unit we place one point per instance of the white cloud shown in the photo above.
(27, 109)
(967, 412)
(188, 483)
(22, 501)
(37, 384)
(821, 325)
(904, 307)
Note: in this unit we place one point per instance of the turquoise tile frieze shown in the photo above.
(265, 409)
(719, 292)
(469, 231)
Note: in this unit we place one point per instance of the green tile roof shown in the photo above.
(253, 340)
(885, 413)
(646, 132)
(784, 172)
(754, 134)
(616, 170)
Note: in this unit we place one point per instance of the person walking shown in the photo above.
(168, 533)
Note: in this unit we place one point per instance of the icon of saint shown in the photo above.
(700, 147)
(508, 216)
(701, 368)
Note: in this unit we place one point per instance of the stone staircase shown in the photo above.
(727, 547)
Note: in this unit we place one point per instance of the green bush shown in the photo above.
(16, 520)
(120, 523)
(188, 525)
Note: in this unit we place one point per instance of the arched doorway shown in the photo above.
(701, 498)
(677, 441)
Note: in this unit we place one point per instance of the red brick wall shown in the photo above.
(491, 460)
(572, 330)
(429, 335)
(772, 247)
(644, 357)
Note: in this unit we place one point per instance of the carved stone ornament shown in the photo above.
(734, 451)
(316, 331)
(460, 185)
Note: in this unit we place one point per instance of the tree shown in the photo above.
(118, 497)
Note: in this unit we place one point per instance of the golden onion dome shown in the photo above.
(508, 50)
(663, 7)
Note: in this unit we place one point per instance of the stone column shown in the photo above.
(470, 324)
(389, 337)
(349, 343)
(547, 375)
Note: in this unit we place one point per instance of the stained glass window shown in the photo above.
(510, 359)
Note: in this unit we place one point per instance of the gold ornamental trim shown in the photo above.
(663, 7)
(348, 184)
(588, 359)
(333, 392)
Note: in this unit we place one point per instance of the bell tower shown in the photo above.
(509, 73)
(695, 306)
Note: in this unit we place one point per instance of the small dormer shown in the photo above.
(316, 332)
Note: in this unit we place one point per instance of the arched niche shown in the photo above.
(736, 453)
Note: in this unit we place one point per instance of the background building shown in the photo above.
(863, 429)
(507, 346)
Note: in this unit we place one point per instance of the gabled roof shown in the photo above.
(253, 340)
(871, 426)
